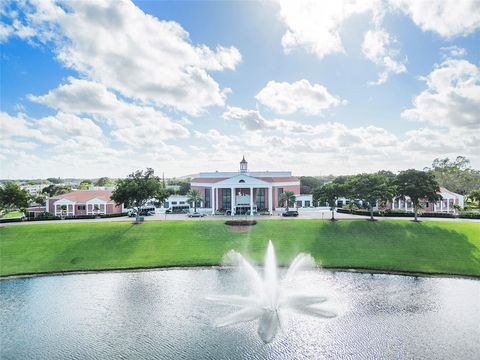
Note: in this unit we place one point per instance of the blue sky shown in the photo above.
(94, 89)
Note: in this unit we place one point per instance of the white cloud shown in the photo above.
(129, 122)
(144, 58)
(315, 25)
(453, 52)
(377, 48)
(448, 18)
(249, 119)
(17, 128)
(452, 97)
(285, 98)
(63, 127)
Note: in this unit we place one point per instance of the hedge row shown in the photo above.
(49, 216)
(402, 213)
(240, 222)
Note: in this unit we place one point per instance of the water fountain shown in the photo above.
(269, 295)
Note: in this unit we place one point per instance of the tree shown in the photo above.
(53, 190)
(104, 181)
(455, 175)
(342, 179)
(54, 180)
(474, 196)
(194, 197)
(184, 187)
(85, 184)
(13, 197)
(288, 198)
(40, 199)
(309, 183)
(138, 189)
(417, 185)
(329, 193)
(371, 189)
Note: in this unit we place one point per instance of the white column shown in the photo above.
(251, 201)
(232, 193)
(441, 205)
(212, 199)
(448, 205)
(270, 199)
(405, 204)
(216, 198)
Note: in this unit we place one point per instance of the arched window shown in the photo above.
(242, 181)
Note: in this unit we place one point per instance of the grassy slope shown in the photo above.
(442, 247)
(12, 214)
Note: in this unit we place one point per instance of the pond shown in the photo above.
(164, 315)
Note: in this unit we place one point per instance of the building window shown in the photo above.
(207, 198)
(307, 203)
(227, 199)
(81, 207)
(166, 205)
(260, 198)
(174, 203)
(299, 203)
(279, 193)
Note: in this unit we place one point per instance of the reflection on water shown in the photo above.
(163, 315)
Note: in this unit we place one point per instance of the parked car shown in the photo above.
(290, 213)
(195, 215)
(143, 212)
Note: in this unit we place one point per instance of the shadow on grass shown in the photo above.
(408, 246)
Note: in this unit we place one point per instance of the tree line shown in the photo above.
(377, 189)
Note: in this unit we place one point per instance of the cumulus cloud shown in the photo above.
(315, 25)
(285, 98)
(17, 129)
(144, 58)
(248, 119)
(452, 96)
(62, 127)
(129, 122)
(290, 135)
(377, 48)
(448, 18)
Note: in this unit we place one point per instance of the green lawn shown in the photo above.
(429, 246)
(12, 214)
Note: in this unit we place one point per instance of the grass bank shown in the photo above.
(12, 214)
(390, 245)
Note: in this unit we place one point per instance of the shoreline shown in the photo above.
(212, 267)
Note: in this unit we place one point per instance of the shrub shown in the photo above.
(240, 222)
(469, 215)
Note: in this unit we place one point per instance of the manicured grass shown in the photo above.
(429, 246)
(12, 214)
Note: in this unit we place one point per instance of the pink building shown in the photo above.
(245, 191)
(83, 202)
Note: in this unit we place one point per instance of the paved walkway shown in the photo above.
(320, 215)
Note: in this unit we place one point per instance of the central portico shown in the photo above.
(244, 192)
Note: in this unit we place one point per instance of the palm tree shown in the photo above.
(288, 198)
(194, 197)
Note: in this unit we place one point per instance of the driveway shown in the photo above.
(320, 215)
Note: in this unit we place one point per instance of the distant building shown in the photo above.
(35, 189)
(176, 204)
(83, 202)
(449, 199)
(244, 192)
